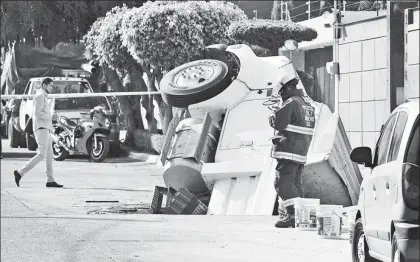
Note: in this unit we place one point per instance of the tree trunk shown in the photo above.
(145, 101)
(151, 86)
(165, 110)
(138, 85)
(115, 82)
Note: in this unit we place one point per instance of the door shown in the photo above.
(24, 105)
(374, 196)
(386, 187)
(315, 63)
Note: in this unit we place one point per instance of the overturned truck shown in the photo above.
(218, 144)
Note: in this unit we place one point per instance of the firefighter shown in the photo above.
(294, 123)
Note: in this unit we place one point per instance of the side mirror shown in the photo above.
(362, 155)
(291, 45)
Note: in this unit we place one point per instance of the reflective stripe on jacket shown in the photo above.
(294, 123)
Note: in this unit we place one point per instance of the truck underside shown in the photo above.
(221, 146)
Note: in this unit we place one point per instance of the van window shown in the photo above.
(412, 154)
(35, 86)
(382, 148)
(396, 137)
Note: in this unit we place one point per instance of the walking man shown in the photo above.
(294, 124)
(42, 126)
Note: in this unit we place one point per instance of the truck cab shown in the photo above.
(69, 107)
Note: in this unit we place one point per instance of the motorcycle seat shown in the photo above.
(67, 122)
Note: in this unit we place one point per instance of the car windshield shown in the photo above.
(80, 103)
(75, 87)
(65, 87)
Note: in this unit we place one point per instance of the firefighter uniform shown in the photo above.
(294, 124)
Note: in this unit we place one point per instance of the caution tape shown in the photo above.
(76, 95)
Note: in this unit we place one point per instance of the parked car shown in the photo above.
(68, 107)
(387, 221)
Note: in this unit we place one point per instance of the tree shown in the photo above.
(103, 44)
(163, 35)
(51, 22)
(270, 34)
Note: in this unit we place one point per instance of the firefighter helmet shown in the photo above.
(287, 74)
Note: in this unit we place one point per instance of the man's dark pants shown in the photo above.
(288, 181)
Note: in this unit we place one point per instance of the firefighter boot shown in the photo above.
(286, 217)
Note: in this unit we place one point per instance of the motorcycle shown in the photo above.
(87, 137)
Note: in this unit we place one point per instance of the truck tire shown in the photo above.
(23, 143)
(14, 135)
(195, 82)
(31, 143)
(115, 149)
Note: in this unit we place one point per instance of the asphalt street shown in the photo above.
(43, 224)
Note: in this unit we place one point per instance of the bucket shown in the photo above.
(329, 221)
(305, 213)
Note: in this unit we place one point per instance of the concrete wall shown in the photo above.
(411, 67)
(363, 94)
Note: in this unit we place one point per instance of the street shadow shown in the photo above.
(84, 218)
(104, 188)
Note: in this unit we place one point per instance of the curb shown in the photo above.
(18, 154)
(147, 158)
(126, 156)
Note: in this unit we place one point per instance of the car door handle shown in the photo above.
(387, 185)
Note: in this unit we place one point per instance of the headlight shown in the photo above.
(107, 123)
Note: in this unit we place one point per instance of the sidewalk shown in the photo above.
(44, 224)
(25, 235)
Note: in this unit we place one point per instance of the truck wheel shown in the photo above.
(23, 143)
(14, 135)
(31, 143)
(195, 82)
(115, 149)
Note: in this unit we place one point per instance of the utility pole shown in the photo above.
(336, 26)
(256, 14)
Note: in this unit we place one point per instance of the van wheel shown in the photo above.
(14, 135)
(195, 82)
(31, 143)
(397, 256)
(360, 248)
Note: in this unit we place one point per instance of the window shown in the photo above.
(35, 86)
(384, 141)
(27, 87)
(412, 154)
(396, 137)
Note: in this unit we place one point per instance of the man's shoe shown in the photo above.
(285, 222)
(53, 184)
(18, 177)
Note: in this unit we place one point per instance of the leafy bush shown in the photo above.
(90, 40)
(170, 34)
(270, 34)
(107, 42)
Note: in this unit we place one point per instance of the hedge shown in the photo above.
(270, 34)
(168, 35)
